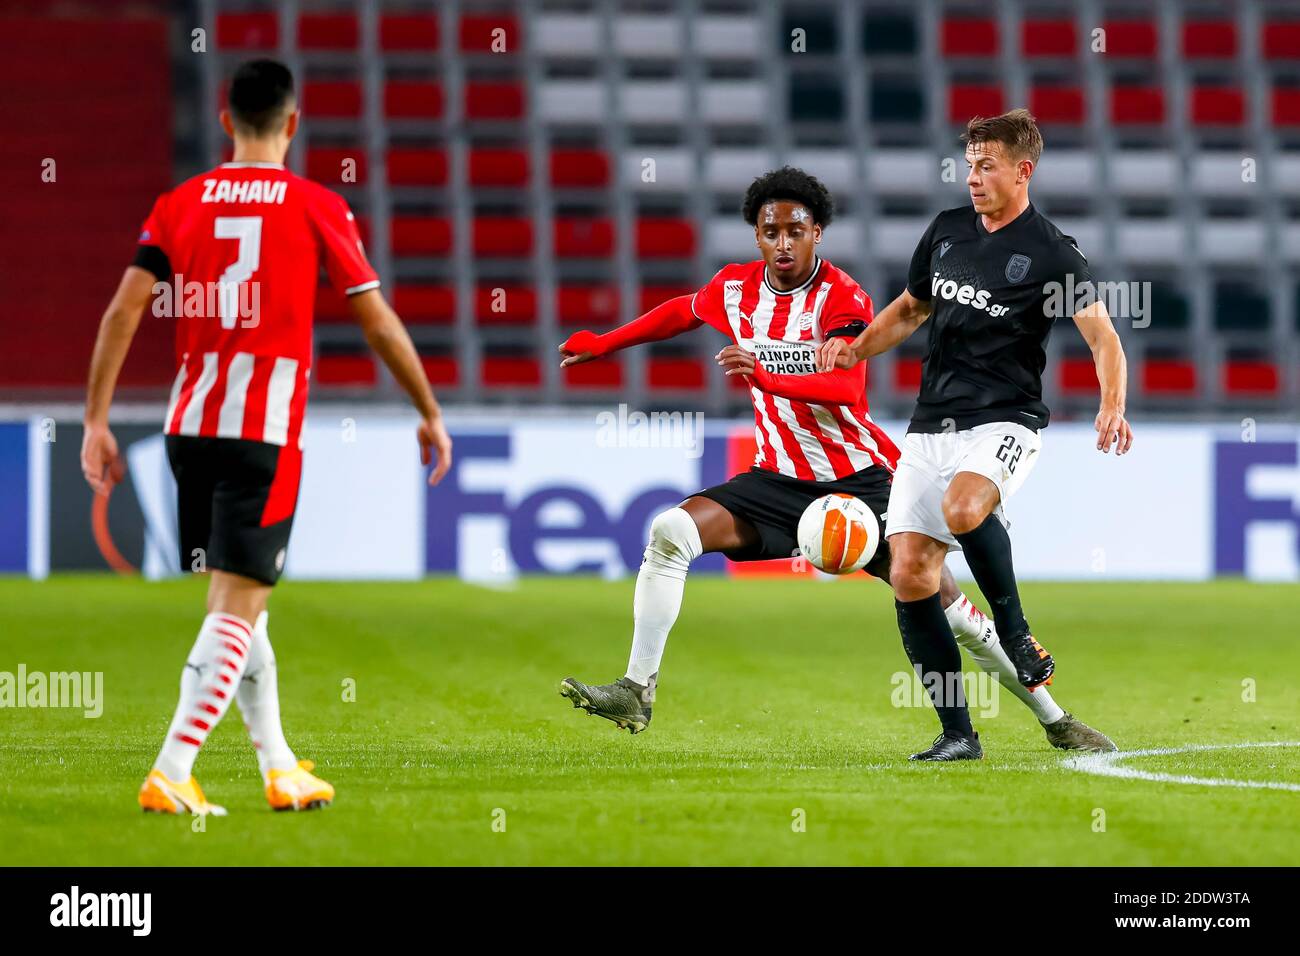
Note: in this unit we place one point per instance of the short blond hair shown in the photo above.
(1016, 131)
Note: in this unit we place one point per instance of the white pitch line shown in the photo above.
(1107, 765)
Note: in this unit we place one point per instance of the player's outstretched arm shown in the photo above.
(662, 322)
(892, 326)
(1112, 375)
(389, 339)
(100, 462)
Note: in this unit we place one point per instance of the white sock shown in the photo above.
(976, 633)
(674, 544)
(212, 672)
(259, 703)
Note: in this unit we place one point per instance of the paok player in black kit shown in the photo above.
(989, 279)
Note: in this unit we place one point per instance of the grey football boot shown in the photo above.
(1071, 733)
(625, 702)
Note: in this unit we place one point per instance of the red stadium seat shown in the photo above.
(1058, 104)
(511, 371)
(325, 164)
(1078, 376)
(591, 306)
(332, 98)
(442, 370)
(494, 101)
(413, 99)
(425, 303)
(653, 295)
(1253, 377)
(420, 235)
(1281, 40)
(1136, 105)
(579, 167)
(677, 373)
(1218, 106)
(479, 33)
(498, 167)
(504, 303)
(969, 37)
(1049, 38)
(1169, 377)
(965, 101)
(1209, 39)
(353, 370)
(413, 166)
(605, 374)
(576, 238)
(327, 31)
(1286, 106)
(248, 31)
(1131, 38)
(399, 32)
(907, 374)
(665, 238)
(503, 236)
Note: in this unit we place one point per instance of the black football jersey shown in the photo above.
(994, 297)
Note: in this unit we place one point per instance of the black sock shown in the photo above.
(932, 649)
(988, 552)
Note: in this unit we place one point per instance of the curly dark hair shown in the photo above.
(793, 184)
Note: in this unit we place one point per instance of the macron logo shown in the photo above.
(103, 909)
(943, 249)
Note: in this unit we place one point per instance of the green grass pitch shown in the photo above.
(776, 697)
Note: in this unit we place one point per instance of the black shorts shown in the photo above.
(235, 500)
(774, 503)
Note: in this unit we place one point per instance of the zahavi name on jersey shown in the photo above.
(103, 909)
(244, 190)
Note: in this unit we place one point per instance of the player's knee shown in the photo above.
(674, 537)
(963, 514)
(911, 577)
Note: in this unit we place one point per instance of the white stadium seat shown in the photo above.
(894, 239)
(658, 37)
(734, 102)
(729, 38)
(1063, 173)
(1136, 173)
(561, 35)
(904, 172)
(674, 169)
(732, 170)
(1151, 241)
(653, 101)
(1232, 241)
(1215, 174)
(838, 169)
(577, 101)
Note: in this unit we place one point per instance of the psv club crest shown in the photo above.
(1017, 267)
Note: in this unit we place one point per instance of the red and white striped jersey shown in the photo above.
(244, 244)
(783, 329)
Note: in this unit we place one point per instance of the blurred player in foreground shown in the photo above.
(253, 236)
(815, 437)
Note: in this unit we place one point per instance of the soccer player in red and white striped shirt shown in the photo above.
(242, 247)
(814, 435)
